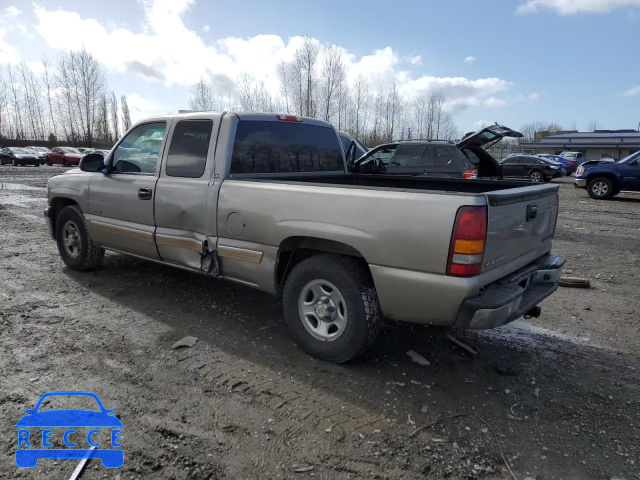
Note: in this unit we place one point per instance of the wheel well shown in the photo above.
(295, 249)
(610, 176)
(57, 204)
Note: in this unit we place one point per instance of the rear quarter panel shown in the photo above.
(402, 229)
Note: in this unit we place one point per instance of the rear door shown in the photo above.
(510, 167)
(187, 194)
(449, 161)
(630, 172)
(521, 223)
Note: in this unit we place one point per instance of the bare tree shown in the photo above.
(246, 93)
(15, 104)
(201, 98)
(126, 117)
(115, 123)
(283, 73)
(304, 71)
(333, 76)
(48, 85)
(362, 99)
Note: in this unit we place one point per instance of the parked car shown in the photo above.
(436, 158)
(577, 157)
(282, 214)
(531, 167)
(84, 149)
(18, 156)
(604, 180)
(41, 156)
(64, 156)
(569, 165)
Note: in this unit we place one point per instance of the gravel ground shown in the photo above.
(554, 397)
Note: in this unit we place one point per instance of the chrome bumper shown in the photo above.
(580, 183)
(513, 296)
(49, 221)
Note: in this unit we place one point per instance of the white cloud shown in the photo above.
(8, 53)
(140, 107)
(165, 50)
(206, 29)
(632, 91)
(494, 102)
(572, 7)
(480, 124)
(470, 59)
(534, 96)
(12, 11)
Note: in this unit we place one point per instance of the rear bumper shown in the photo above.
(49, 221)
(513, 296)
(580, 182)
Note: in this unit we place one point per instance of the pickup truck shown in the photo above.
(604, 179)
(266, 200)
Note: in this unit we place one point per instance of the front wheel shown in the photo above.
(536, 176)
(601, 188)
(331, 307)
(74, 243)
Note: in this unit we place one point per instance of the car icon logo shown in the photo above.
(31, 448)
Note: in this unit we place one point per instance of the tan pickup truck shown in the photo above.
(267, 201)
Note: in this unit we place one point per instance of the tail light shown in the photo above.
(468, 242)
(571, 164)
(288, 118)
(470, 173)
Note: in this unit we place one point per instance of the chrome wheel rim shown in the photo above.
(322, 310)
(600, 189)
(536, 177)
(71, 239)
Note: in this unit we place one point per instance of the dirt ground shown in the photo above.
(558, 395)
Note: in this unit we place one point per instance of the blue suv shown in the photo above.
(604, 180)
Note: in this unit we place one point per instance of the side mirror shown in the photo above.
(92, 162)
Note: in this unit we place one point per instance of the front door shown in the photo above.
(631, 175)
(121, 202)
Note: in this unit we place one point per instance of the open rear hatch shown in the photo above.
(520, 225)
(487, 137)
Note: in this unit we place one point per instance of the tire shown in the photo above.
(65, 163)
(47, 163)
(601, 188)
(13, 162)
(354, 323)
(78, 253)
(536, 176)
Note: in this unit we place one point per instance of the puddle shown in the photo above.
(18, 186)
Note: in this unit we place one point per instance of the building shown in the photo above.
(593, 145)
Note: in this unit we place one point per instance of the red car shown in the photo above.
(64, 156)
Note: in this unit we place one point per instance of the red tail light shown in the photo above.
(288, 118)
(470, 173)
(468, 242)
(571, 164)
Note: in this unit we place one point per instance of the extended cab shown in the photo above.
(265, 200)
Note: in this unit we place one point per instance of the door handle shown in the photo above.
(144, 193)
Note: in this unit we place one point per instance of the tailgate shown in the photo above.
(520, 225)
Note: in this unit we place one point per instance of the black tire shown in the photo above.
(601, 188)
(88, 255)
(47, 163)
(65, 163)
(360, 302)
(536, 176)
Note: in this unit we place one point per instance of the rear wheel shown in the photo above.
(65, 163)
(13, 162)
(601, 188)
(331, 307)
(536, 176)
(76, 248)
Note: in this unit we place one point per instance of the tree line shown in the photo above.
(314, 84)
(68, 101)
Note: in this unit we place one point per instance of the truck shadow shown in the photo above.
(522, 381)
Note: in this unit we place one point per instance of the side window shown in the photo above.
(285, 147)
(140, 150)
(188, 150)
(473, 158)
(385, 154)
(523, 161)
(407, 155)
(450, 159)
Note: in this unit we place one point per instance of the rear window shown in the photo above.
(284, 147)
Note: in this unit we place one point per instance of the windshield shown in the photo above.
(569, 154)
(19, 150)
(630, 157)
(70, 150)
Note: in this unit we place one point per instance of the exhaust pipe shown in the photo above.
(534, 312)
